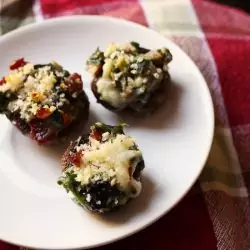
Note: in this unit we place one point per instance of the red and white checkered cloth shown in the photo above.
(216, 212)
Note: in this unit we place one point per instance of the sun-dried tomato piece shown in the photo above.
(43, 113)
(17, 64)
(75, 76)
(96, 134)
(2, 81)
(75, 158)
(75, 82)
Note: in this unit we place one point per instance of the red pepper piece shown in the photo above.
(17, 64)
(2, 81)
(75, 82)
(75, 76)
(75, 158)
(95, 134)
(43, 113)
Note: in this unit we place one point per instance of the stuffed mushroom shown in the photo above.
(129, 77)
(44, 100)
(101, 171)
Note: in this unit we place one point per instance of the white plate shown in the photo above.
(175, 141)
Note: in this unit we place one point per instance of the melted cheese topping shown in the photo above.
(111, 160)
(34, 89)
(127, 73)
(15, 79)
(109, 92)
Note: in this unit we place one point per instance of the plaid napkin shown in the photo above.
(216, 212)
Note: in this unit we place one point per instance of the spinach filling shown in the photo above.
(100, 193)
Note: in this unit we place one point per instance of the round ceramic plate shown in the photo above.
(175, 141)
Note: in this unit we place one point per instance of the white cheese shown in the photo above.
(110, 49)
(94, 143)
(30, 83)
(159, 70)
(141, 90)
(109, 93)
(138, 82)
(4, 88)
(112, 160)
(28, 68)
(34, 108)
(107, 68)
(140, 59)
(14, 80)
(26, 107)
(14, 105)
(88, 198)
(47, 82)
(33, 91)
(52, 109)
(121, 62)
(127, 47)
(105, 136)
(156, 75)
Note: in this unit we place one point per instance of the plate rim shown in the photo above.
(210, 106)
